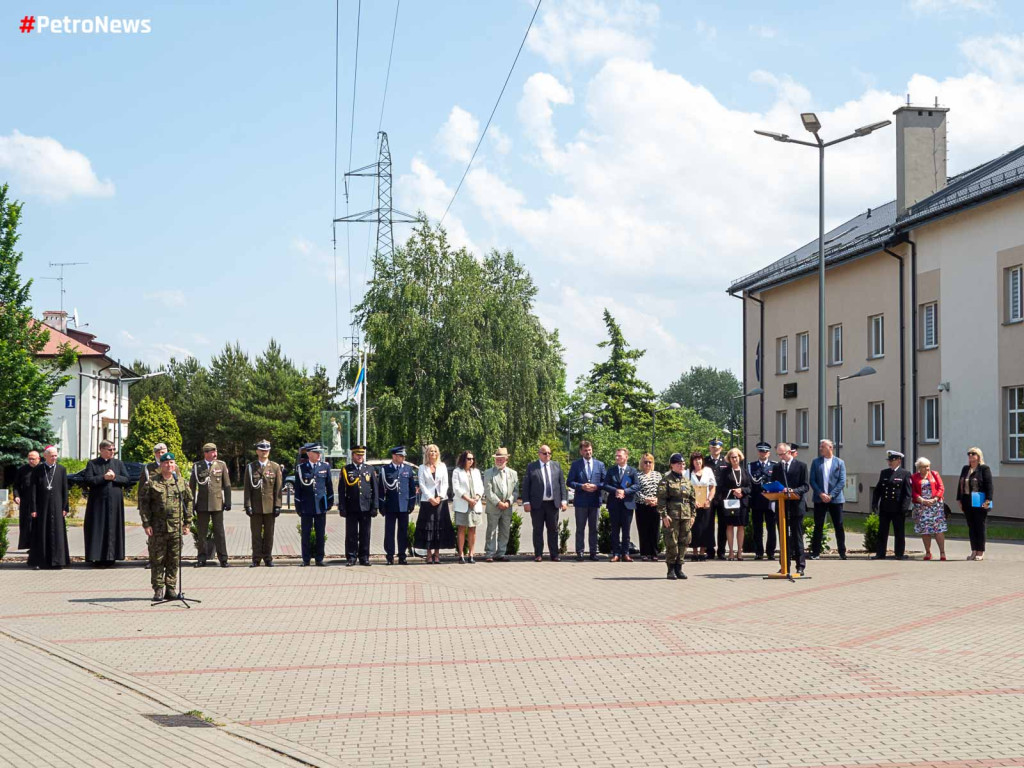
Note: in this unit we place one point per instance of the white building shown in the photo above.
(93, 405)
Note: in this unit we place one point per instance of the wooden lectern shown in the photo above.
(780, 497)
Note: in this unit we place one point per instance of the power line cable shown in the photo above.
(496, 103)
(334, 226)
(351, 141)
(387, 77)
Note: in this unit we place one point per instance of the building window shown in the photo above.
(1015, 294)
(835, 344)
(930, 419)
(801, 426)
(876, 336)
(782, 355)
(1015, 423)
(780, 427)
(835, 424)
(930, 325)
(877, 425)
(803, 351)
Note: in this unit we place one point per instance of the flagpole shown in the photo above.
(366, 356)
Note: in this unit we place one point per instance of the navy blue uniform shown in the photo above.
(314, 496)
(357, 502)
(761, 512)
(397, 491)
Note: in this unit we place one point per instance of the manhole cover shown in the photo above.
(179, 721)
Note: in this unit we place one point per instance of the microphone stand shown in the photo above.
(180, 597)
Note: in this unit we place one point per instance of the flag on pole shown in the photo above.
(359, 381)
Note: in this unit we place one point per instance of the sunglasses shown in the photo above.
(545, 453)
(648, 461)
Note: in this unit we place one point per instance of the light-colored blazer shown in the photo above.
(429, 488)
(460, 485)
(500, 488)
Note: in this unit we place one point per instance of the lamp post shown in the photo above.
(654, 417)
(867, 370)
(813, 125)
(756, 391)
(568, 435)
(114, 375)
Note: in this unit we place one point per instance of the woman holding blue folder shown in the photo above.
(974, 492)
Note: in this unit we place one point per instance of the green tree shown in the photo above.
(458, 357)
(27, 381)
(708, 391)
(624, 396)
(152, 422)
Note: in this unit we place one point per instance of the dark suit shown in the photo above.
(976, 516)
(314, 496)
(544, 514)
(718, 466)
(398, 491)
(795, 478)
(620, 511)
(761, 513)
(891, 499)
(586, 503)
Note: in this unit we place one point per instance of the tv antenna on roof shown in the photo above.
(63, 264)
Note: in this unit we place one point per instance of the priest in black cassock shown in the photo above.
(104, 512)
(49, 504)
(23, 498)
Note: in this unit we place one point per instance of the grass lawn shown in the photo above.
(999, 531)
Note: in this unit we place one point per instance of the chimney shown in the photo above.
(58, 320)
(920, 154)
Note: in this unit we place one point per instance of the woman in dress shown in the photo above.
(468, 486)
(975, 486)
(703, 481)
(735, 490)
(434, 530)
(648, 521)
(929, 513)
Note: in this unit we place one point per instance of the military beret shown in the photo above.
(676, 458)
(167, 457)
(209, 447)
(398, 450)
(763, 446)
(715, 441)
(263, 445)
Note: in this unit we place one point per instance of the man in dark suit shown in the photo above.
(397, 492)
(716, 461)
(890, 500)
(586, 478)
(792, 474)
(828, 480)
(620, 483)
(762, 510)
(544, 495)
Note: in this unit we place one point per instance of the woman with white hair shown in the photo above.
(974, 492)
(929, 512)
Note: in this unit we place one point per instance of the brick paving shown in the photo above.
(889, 663)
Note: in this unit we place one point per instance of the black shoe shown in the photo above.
(903, 557)
(679, 571)
(800, 570)
(305, 563)
(555, 558)
(402, 561)
(169, 593)
(470, 560)
(814, 557)
(158, 593)
(721, 557)
(319, 563)
(579, 557)
(595, 558)
(759, 557)
(269, 562)
(223, 563)
(365, 561)
(842, 555)
(200, 563)
(879, 557)
(255, 564)
(771, 556)
(350, 562)
(671, 575)
(390, 559)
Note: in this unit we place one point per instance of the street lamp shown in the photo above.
(568, 435)
(867, 370)
(755, 392)
(114, 375)
(654, 417)
(813, 125)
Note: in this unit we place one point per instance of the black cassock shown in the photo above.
(23, 490)
(49, 499)
(104, 512)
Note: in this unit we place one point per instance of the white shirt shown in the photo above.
(706, 477)
(826, 467)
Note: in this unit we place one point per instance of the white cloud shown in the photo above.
(502, 141)
(43, 166)
(459, 134)
(153, 352)
(423, 190)
(540, 92)
(586, 31)
(170, 298)
(947, 6)
(763, 31)
(707, 31)
(323, 255)
(1001, 56)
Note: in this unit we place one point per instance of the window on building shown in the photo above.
(1015, 294)
(876, 336)
(835, 424)
(877, 423)
(835, 344)
(780, 427)
(930, 325)
(1015, 423)
(802, 419)
(803, 351)
(930, 419)
(782, 355)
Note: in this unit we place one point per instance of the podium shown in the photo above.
(784, 573)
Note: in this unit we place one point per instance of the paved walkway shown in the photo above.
(868, 663)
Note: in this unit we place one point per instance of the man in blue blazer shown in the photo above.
(828, 479)
(397, 495)
(586, 478)
(544, 496)
(620, 484)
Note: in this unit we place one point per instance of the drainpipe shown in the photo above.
(744, 385)
(913, 346)
(81, 407)
(903, 357)
(760, 381)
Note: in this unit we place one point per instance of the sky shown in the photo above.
(192, 168)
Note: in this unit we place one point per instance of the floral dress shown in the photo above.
(929, 519)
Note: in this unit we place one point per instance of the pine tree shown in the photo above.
(152, 422)
(625, 397)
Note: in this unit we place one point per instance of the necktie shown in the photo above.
(590, 471)
(547, 481)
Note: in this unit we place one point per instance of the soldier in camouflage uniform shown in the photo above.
(151, 469)
(164, 504)
(676, 505)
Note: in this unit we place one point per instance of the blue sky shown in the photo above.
(192, 167)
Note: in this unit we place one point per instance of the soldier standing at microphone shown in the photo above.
(164, 504)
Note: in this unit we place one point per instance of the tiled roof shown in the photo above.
(869, 231)
(58, 339)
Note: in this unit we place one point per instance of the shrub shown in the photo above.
(4, 522)
(412, 535)
(513, 534)
(76, 495)
(871, 533)
(563, 536)
(809, 533)
(604, 531)
(298, 529)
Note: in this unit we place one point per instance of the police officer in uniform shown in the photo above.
(357, 502)
(891, 499)
(397, 491)
(676, 499)
(211, 495)
(762, 510)
(314, 496)
(164, 504)
(262, 482)
(716, 460)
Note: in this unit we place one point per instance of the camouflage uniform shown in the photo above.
(676, 501)
(161, 504)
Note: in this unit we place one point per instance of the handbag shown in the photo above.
(731, 504)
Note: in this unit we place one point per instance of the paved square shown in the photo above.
(868, 663)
